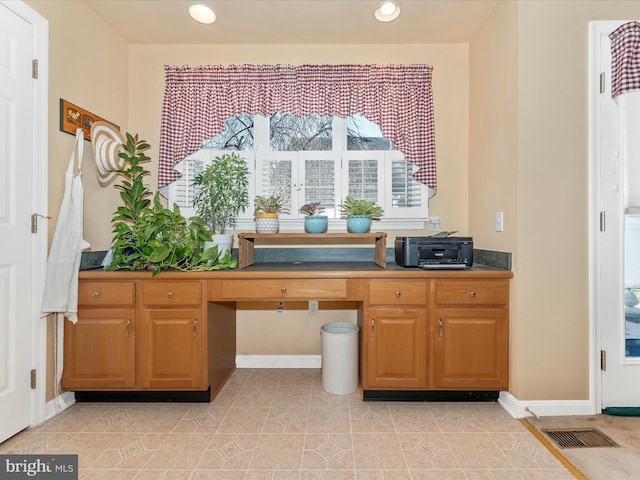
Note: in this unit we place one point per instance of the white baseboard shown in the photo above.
(545, 408)
(278, 361)
(54, 407)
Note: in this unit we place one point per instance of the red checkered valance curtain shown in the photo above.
(197, 101)
(625, 58)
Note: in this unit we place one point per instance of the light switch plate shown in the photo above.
(499, 221)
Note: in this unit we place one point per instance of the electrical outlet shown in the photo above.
(280, 308)
(434, 224)
(313, 307)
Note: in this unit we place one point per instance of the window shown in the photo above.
(312, 159)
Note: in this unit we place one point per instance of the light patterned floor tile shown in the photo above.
(380, 451)
(328, 452)
(272, 424)
(229, 452)
(370, 418)
(278, 452)
(328, 420)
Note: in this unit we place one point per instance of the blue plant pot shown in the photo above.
(316, 224)
(358, 223)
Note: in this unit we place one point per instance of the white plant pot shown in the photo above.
(224, 242)
(267, 223)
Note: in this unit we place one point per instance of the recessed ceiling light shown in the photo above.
(387, 11)
(202, 13)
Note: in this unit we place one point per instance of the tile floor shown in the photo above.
(280, 425)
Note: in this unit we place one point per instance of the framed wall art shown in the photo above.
(73, 117)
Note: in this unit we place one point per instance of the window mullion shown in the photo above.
(341, 167)
(261, 133)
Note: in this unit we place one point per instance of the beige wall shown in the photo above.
(88, 66)
(541, 180)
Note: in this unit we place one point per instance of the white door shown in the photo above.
(20, 282)
(616, 242)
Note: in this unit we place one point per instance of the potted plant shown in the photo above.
(359, 214)
(314, 222)
(221, 194)
(266, 213)
(148, 235)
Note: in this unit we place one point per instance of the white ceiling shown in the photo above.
(166, 22)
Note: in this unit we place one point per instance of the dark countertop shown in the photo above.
(329, 262)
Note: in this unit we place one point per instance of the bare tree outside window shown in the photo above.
(237, 135)
(296, 134)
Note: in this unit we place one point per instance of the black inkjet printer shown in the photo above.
(436, 252)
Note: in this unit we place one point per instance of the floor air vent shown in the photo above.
(580, 438)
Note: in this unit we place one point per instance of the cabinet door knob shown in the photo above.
(441, 328)
(373, 328)
(284, 290)
(95, 294)
(398, 294)
(472, 294)
(195, 328)
(126, 329)
(170, 295)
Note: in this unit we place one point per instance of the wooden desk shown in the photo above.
(419, 330)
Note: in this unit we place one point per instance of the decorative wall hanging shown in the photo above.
(73, 117)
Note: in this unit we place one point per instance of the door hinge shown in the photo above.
(603, 225)
(602, 82)
(603, 360)
(33, 379)
(34, 68)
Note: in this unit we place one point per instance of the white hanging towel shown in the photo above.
(61, 285)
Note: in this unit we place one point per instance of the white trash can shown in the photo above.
(339, 357)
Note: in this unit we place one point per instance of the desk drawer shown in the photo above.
(284, 289)
(397, 292)
(171, 293)
(106, 293)
(472, 292)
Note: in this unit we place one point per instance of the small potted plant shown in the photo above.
(359, 214)
(314, 222)
(221, 194)
(266, 213)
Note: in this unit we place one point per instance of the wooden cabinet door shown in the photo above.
(395, 342)
(471, 348)
(172, 349)
(99, 350)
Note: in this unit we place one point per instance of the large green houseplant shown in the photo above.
(148, 235)
(222, 192)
